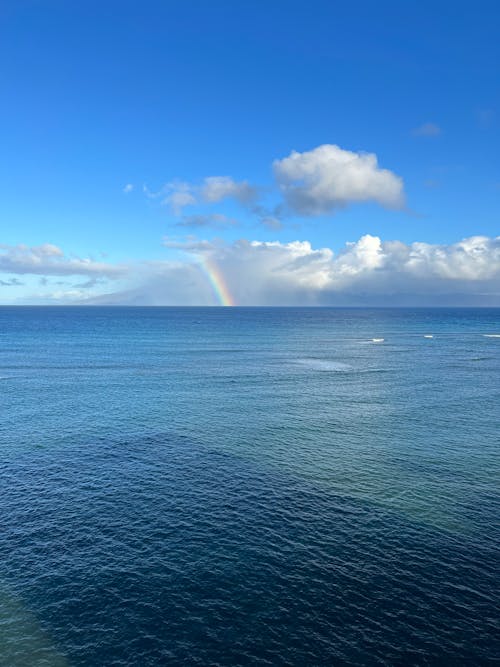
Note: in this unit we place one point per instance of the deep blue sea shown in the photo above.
(249, 486)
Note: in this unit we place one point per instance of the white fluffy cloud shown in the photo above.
(49, 260)
(296, 272)
(328, 178)
(366, 272)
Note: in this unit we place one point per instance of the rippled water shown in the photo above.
(249, 486)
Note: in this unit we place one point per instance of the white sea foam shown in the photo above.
(491, 335)
(428, 336)
(378, 340)
(325, 365)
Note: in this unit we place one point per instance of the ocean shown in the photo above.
(249, 486)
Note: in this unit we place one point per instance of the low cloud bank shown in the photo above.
(366, 272)
(369, 271)
(50, 260)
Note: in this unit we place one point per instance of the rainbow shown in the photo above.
(217, 281)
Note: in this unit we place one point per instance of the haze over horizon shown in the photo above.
(262, 154)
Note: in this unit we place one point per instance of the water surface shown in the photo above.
(248, 486)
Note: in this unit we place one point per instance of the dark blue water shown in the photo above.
(249, 486)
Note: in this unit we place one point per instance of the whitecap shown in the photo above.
(491, 335)
(428, 336)
(378, 340)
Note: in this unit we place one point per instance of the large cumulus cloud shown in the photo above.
(368, 271)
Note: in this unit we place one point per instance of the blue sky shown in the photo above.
(100, 95)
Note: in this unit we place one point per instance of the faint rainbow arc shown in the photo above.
(217, 281)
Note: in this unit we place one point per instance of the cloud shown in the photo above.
(316, 182)
(271, 221)
(213, 220)
(11, 282)
(427, 130)
(217, 188)
(328, 178)
(163, 283)
(369, 271)
(192, 244)
(128, 188)
(88, 284)
(180, 194)
(213, 189)
(49, 260)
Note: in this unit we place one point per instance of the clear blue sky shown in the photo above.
(98, 95)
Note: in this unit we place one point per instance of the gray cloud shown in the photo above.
(213, 189)
(88, 284)
(179, 195)
(212, 220)
(217, 188)
(11, 282)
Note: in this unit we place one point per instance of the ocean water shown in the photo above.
(249, 486)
